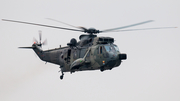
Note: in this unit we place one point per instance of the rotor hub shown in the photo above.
(91, 31)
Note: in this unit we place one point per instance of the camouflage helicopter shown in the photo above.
(90, 53)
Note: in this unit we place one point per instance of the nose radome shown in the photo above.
(112, 55)
(122, 56)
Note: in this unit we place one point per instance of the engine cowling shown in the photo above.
(73, 42)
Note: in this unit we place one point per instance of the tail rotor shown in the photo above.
(40, 43)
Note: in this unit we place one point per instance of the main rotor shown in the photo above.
(91, 31)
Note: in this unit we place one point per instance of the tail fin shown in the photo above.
(37, 49)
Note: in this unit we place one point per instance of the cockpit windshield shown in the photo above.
(109, 48)
(116, 48)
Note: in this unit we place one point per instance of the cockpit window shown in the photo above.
(116, 48)
(109, 48)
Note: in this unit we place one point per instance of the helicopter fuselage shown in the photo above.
(97, 53)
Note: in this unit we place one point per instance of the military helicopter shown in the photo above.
(90, 53)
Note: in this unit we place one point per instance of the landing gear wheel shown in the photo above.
(102, 69)
(61, 77)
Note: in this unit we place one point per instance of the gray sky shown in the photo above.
(151, 72)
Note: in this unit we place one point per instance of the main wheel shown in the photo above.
(61, 77)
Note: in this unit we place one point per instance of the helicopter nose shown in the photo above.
(122, 56)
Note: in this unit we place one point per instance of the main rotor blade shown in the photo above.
(107, 30)
(61, 22)
(68, 24)
(43, 25)
(143, 29)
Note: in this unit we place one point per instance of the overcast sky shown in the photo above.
(151, 72)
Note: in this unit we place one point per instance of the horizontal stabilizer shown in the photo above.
(27, 47)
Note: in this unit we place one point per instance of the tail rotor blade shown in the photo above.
(40, 36)
(44, 42)
(34, 40)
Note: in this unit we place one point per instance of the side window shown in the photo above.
(82, 53)
(100, 50)
(75, 54)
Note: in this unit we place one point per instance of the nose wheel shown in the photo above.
(102, 69)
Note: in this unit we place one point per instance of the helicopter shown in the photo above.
(90, 53)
